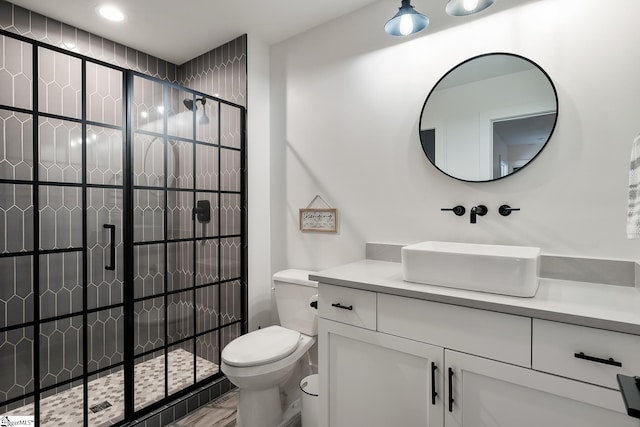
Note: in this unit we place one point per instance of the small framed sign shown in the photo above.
(319, 219)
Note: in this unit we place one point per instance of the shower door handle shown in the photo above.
(112, 247)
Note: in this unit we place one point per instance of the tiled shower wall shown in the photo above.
(29, 24)
(221, 72)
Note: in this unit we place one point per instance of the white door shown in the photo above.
(372, 379)
(487, 393)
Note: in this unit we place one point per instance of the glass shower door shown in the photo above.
(80, 205)
(61, 261)
(104, 234)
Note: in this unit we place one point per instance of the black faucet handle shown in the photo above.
(505, 210)
(458, 210)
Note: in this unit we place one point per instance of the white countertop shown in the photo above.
(611, 307)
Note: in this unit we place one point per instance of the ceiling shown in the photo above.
(180, 30)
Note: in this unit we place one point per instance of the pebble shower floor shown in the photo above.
(65, 408)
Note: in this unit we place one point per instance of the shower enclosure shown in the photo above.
(122, 237)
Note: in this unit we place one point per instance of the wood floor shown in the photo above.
(219, 413)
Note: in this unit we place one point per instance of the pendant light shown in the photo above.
(467, 7)
(406, 21)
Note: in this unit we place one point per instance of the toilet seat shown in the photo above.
(261, 347)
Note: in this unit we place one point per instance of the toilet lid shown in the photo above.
(261, 347)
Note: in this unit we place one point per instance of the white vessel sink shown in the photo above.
(506, 270)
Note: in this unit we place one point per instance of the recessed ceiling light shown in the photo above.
(111, 13)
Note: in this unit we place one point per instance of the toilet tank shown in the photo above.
(294, 291)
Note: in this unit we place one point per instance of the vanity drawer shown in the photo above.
(352, 306)
(556, 344)
(497, 336)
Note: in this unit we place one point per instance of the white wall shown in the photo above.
(259, 191)
(345, 106)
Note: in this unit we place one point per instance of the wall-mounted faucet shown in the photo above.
(480, 210)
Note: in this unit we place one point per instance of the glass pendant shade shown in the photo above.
(467, 7)
(406, 21)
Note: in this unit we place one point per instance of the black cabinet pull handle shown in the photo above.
(450, 390)
(434, 393)
(344, 307)
(609, 361)
(112, 247)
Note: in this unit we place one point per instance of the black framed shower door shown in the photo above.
(115, 296)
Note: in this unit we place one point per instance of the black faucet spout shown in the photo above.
(480, 210)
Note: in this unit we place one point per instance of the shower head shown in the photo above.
(188, 103)
(191, 106)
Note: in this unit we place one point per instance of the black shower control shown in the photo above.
(203, 211)
(505, 210)
(458, 210)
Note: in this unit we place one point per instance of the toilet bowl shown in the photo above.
(259, 382)
(261, 362)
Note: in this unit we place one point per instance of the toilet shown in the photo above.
(263, 363)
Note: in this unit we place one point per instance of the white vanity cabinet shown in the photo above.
(387, 360)
(370, 378)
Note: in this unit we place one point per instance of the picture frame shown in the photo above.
(323, 220)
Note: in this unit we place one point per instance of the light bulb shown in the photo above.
(111, 13)
(406, 25)
(470, 5)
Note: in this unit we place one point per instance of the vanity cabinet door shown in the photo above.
(377, 380)
(487, 393)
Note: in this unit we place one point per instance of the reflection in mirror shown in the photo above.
(488, 117)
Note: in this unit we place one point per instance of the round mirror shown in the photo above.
(488, 117)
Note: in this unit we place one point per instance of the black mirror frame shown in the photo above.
(555, 93)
